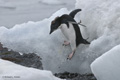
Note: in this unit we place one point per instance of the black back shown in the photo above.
(65, 19)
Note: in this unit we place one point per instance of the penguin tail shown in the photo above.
(85, 42)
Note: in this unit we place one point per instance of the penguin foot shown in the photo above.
(66, 43)
(71, 55)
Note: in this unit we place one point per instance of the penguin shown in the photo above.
(70, 30)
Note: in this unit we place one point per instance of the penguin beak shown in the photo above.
(50, 32)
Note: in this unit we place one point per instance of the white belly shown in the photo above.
(69, 33)
(65, 30)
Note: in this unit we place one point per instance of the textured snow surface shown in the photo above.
(12, 71)
(107, 66)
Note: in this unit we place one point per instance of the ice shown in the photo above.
(102, 19)
(12, 71)
(34, 37)
(107, 66)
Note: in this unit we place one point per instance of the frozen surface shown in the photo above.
(107, 66)
(102, 19)
(29, 10)
(12, 71)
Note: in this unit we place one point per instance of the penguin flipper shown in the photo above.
(74, 12)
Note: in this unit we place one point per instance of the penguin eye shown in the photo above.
(53, 22)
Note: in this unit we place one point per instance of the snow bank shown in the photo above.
(12, 71)
(107, 66)
(102, 20)
(34, 37)
(101, 17)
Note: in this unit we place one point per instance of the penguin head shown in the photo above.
(55, 24)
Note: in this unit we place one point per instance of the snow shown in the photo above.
(107, 66)
(102, 19)
(12, 71)
(34, 37)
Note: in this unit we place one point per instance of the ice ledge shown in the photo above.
(107, 66)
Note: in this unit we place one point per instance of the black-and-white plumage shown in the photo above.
(70, 30)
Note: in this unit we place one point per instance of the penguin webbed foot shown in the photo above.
(71, 55)
(66, 43)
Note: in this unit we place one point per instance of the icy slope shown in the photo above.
(12, 71)
(107, 66)
(102, 18)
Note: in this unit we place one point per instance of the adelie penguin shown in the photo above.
(70, 29)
